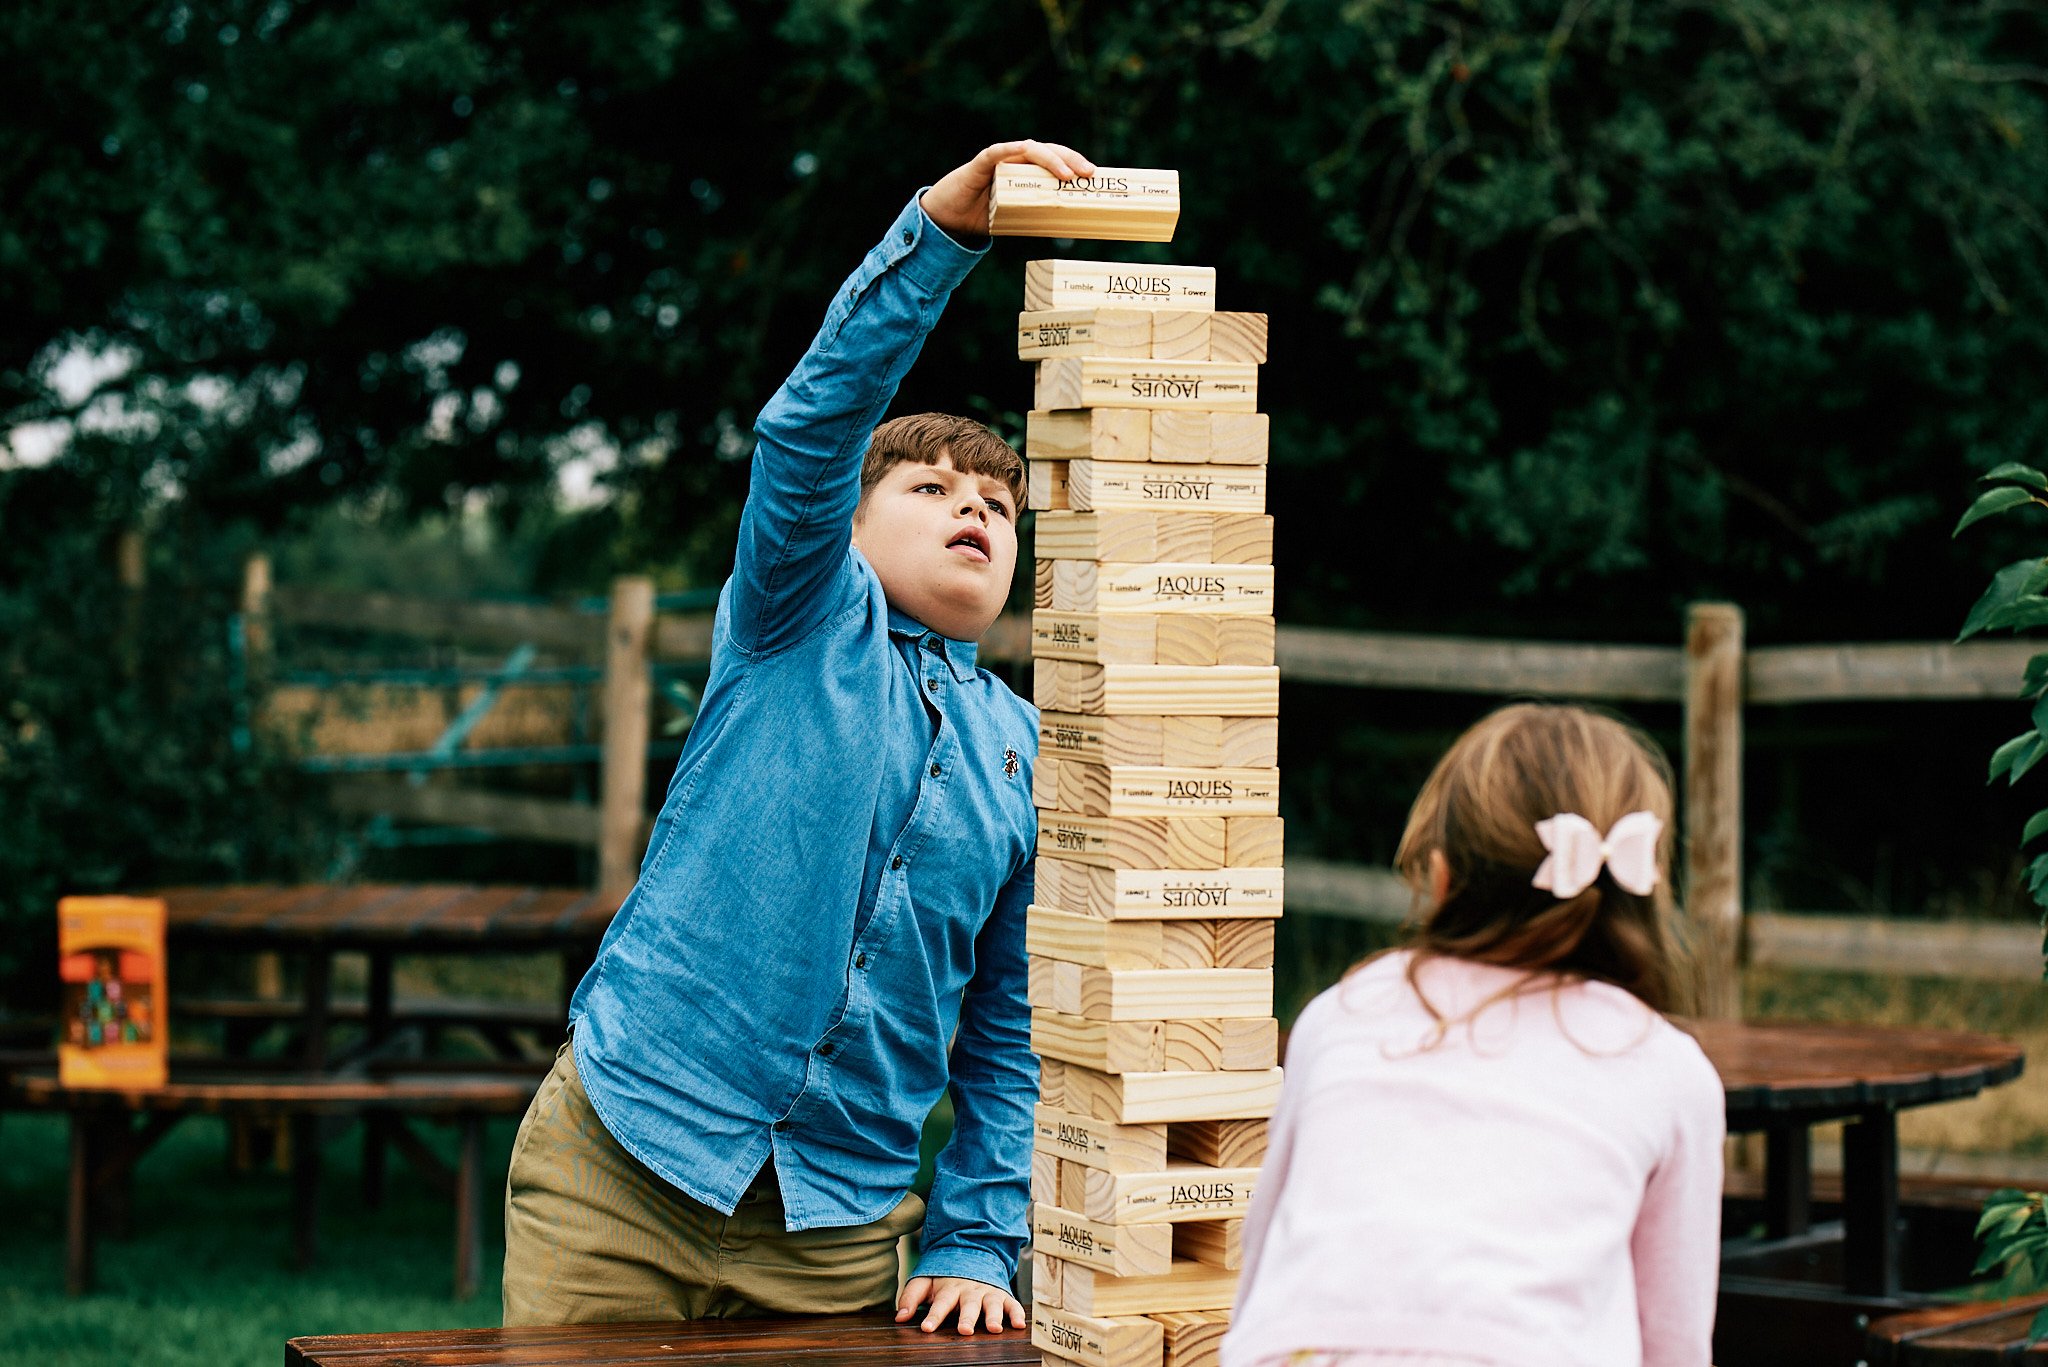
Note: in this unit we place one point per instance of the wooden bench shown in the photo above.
(107, 1141)
(246, 1018)
(831, 1341)
(1974, 1334)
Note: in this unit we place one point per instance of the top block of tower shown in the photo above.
(1116, 204)
(1118, 284)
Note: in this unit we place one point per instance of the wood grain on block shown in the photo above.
(1238, 337)
(1185, 437)
(1219, 1143)
(1186, 1285)
(1116, 204)
(1144, 638)
(1187, 944)
(1042, 587)
(1147, 842)
(1088, 434)
(1100, 485)
(1213, 1046)
(1183, 1191)
(1101, 740)
(1045, 1279)
(1219, 1243)
(1045, 784)
(1045, 485)
(1223, 590)
(1073, 1185)
(1151, 994)
(1045, 1177)
(1181, 334)
(1220, 742)
(1106, 1046)
(1084, 332)
(1093, 1342)
(1146, 1098)
(1161, 894)
(1087, 637)
(1144, 536)
(1194, 1338)
(1076, 1137)
(1143, 790)
(1208, 691)
(1253, 842)
(1133, 1251)
(1244, 944)
(1121, 382)
(1117, 284)
(1078, 939)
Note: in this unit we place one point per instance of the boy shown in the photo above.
(836, 884)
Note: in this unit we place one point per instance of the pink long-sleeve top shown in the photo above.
(1537, 1184)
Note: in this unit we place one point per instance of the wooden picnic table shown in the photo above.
(835, 1341)
(1975, 1334)
(1782, 1078)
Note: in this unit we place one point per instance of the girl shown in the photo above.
(1491, 1148)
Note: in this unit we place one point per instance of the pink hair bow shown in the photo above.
(1577, 851)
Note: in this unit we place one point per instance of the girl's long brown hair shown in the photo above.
(1480, 807)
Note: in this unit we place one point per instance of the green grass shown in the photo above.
(206, 1278)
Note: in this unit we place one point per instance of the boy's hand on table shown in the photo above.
(959, 202)
(977, 1302)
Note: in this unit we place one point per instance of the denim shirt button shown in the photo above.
(936, 771)
(860, 961)
(897, 862)
(931, 643)
(931, 685)
(908, 237)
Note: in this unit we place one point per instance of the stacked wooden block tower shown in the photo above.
(1159, 834)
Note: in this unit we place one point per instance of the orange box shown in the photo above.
(110, 959)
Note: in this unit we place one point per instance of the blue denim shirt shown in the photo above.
(836, 886)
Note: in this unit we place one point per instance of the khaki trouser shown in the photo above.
(592, 1234)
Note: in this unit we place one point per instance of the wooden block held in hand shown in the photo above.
(1060, 284)
(1116, 204)
(1120, 382)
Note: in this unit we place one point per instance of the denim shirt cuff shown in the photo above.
(961, 1261)
(926, 252)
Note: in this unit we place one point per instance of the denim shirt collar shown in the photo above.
(958, 655)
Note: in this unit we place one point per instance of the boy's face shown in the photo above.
(943, 542)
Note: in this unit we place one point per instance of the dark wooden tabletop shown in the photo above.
(426, 917)
(1978, 1334)
(835, 1341)
(1794, 1069)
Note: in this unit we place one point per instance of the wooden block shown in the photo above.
(1181, 334)
(1226, 590)
(1084, 332)
(1121, 382)
(1073, 1185)
(1075, 1137)
(1146, 1098)
(1184, 437)
(1106, 1046)
(1101, 740)
(1144, 536)
(1211, 1046)
(1220, 742)
(1087, 637)
(1238, 337)
(1052, 1082)
(1240, 640)
(1114, 842)
(1146, 790)
(1121, 537)
(1123, 1251)
(1219, 1243)
(1182, 1191)
(1077, 939)
(1045, 1279)
(1194, 1338)
(1045, 783)
(1117, 284)
(1244, 944)
(1116, 204)
(1207, 691)
(1045, 1177)
(1253, 842)
(1186, 1285)
(1219, 1143)
(1155, 994)
(1100, 485)
(1045, 486)
(1095, 1342)
(1120, 434)
(1160, 894)
(1240, 539)
(1186, 944)
(1042, 584)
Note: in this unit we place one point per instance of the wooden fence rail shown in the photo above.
(1712, 674)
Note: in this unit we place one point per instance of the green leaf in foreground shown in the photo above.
(1993, 501)
(2021, 579)
(2017, 473)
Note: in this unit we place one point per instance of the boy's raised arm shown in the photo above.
(805, 483)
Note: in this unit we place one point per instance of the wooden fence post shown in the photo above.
(627, 698)
(1713, 802)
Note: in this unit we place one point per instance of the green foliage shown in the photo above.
(2013, 1233)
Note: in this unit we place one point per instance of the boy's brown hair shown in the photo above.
(924, 437)
(1480, 807)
